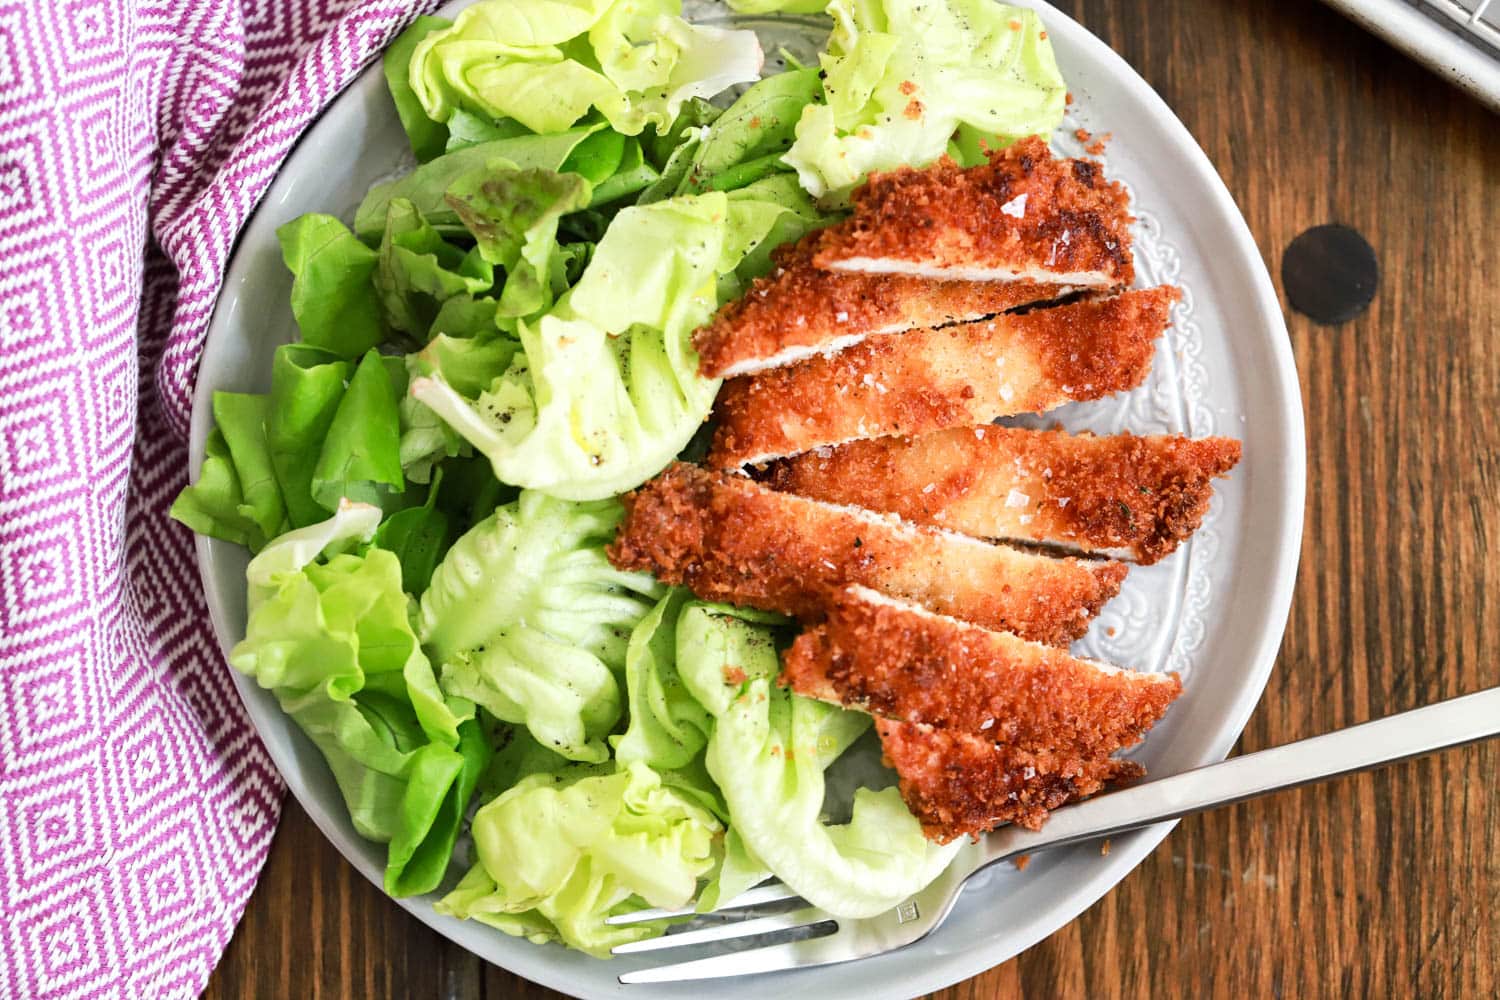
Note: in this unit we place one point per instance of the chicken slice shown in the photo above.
(928, 379)
(799, 311)
(1125, 496)
(896, 659)
(729, 539)
(1023, 215)
(957, 783)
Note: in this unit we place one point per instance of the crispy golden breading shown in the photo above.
(729, 539)
(895, 659)
(1127, 496)
(799, 310)
(957, 783)
(928, 379)
(1023, 214)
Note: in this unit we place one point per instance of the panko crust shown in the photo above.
(958, 784)
(729, 539)
(1132, 496)
(950, 218)
(901, 662)
(928, 379)
(799, 309)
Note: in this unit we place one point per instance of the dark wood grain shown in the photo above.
(1379, 885)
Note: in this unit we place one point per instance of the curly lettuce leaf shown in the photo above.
(331, 290)
(902, 76)
(562, 851)
(418, 271)
(767, 754)
(427, 137)
(469, 362)
(607, 390)
(668, 728)
(333, 641)
(542, 649)
(547, 64)
(361, 455)
(427, 186)
(513, 216)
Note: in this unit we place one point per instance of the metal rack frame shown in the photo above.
(1458, 38)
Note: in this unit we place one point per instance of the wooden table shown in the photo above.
(1377, 885)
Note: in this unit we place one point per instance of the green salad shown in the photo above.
(497, 347)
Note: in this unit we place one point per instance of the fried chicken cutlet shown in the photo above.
(729, 539)
(1022, 215)
(957, 783)
(799, 310)
(897, 660)
(1125, 496)
(925, 380)
(982, 727)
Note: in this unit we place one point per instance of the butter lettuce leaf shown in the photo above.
(428, 138)
(606, 391)
(561, 851)
(668, 727)
(236, 497)
(307, 384)
(547, 64)
(778, 6)
(333, 641)
(767, 753)
(418, 271)
(427, 186)
(902, 76)
(361, 456)
(331, 290)
(544, 648)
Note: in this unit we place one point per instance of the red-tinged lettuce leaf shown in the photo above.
(513, 216)
(426, 186)
(418, 271)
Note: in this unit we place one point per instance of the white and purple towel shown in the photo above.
(136, 804)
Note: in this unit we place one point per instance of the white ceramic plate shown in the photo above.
(1215, 610)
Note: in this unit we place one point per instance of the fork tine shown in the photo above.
(728, 932)
(766, 892)
(826, 950)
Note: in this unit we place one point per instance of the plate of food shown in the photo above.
(640, 452)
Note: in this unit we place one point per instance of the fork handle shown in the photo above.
(1358, 748)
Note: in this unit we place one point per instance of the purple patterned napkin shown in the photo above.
(136, 804)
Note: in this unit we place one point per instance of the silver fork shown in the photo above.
(1424, 730)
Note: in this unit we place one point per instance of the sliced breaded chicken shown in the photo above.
(898, 660)
(1024, 214)
(1125, 496)
(798, 311)
(957, 783)
(729, 539)
(928, 379)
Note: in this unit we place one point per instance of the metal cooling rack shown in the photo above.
(1458, 38)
